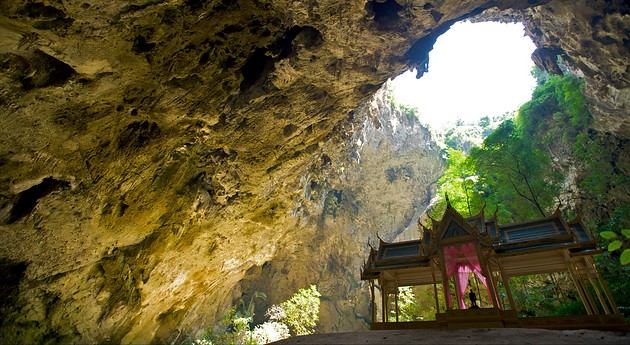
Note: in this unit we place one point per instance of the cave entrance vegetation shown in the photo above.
(160, 160)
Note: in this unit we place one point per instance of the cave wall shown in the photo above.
(367, 183)
(157, 157)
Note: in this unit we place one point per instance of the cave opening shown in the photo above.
(476, 69)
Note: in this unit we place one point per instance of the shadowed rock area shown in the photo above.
(161, 159)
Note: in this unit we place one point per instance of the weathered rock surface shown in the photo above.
(161, 159)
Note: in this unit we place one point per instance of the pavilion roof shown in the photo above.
(548, 233)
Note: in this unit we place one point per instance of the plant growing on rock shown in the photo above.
(298, 316)
(302, 311)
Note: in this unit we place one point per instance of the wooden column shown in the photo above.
(373, 302)
(457, 294)
(613, 305)
(483, 262)
(595, 285)
(396, 300)
(578, 286)
(506, 283)
(447, 296)
(589, 296)
(384, 302)
(435, 292)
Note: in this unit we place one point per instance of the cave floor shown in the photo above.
(466, 336)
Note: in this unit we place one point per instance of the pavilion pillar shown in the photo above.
(599, 295)
(373, 318)
(596, 287)
(483, 261)
(506, 284)
(583, 279)
(384, 302)
(607, 292)
(457, 294)
(447, 296)
(435, 292)
(578, 286)
(396, 300)
(589, 296)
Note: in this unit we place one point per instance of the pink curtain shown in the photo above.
(450, 257)
(462, 271)
(471, 255)
(471, 264)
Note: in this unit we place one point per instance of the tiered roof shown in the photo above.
(544, 234)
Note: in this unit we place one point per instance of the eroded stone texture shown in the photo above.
(161, 159)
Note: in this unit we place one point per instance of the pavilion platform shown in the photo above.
(496, 318)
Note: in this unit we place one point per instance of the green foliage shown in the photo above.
(302, 311)
(546, 295)
(557, 110)
(410, 112)
(513, 171)
(568, 308)
(600, 171)
(248, 310)
(457, 182)
(617, 235)
(613, 265)
(517, 172)
(408, 307)
(484, 122)
(415, 303)
(331, 203)
(232, 329)
(270, 331)
(541, 76)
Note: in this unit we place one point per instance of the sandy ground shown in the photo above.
(466, 336)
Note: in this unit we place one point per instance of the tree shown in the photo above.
(557, 110)
(484, 122)
(508, 159)
(416, 303)
(457, 182)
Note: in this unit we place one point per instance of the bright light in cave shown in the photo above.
(475, 70)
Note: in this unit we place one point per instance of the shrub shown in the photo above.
(302, 311)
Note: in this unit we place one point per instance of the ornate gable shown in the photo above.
(453, 224)
(454, 230)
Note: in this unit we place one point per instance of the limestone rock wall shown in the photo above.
(160, 159)
(372, 180)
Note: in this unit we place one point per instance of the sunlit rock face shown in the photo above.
(160, 160)
(375, 179)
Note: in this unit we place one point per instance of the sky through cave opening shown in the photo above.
(475, 70)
